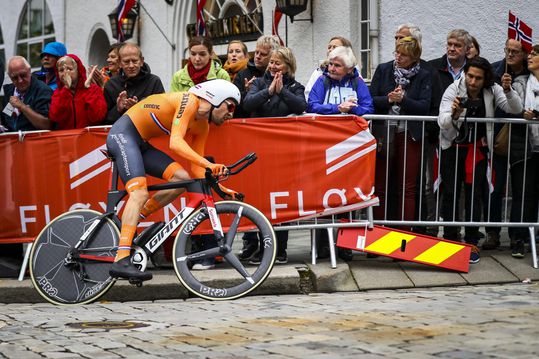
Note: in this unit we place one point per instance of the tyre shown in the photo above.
(235, 278)
(78, 281)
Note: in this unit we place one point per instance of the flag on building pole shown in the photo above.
(519, 31)
(124, 6)
(277, 15)
(201, 24)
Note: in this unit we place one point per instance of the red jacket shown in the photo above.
(84, 108)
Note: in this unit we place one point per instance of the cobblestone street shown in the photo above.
(498, 321)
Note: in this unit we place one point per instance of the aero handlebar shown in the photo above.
(233, 169)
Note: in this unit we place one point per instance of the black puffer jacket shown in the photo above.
(499, 69)
(141, 86)
(239, 81)
(416, 101)
(440, 65)
(260, 103)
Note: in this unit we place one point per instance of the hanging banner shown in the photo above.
(307, 166)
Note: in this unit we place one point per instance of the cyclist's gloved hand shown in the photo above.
(218, 169)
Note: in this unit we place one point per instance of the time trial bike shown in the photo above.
(71, 257)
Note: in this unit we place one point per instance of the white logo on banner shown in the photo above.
(342, 150)
(83, 164)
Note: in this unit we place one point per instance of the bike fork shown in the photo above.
(224, 242)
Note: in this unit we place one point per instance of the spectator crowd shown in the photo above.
(64, 94)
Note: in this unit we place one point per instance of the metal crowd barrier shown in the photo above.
(331, 222)
(435, 219)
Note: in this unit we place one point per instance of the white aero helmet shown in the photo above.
(216, 91)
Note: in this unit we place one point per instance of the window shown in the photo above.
(227, 20)
(364, 40)
(35, 30)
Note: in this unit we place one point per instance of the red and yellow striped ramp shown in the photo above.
(407, 246)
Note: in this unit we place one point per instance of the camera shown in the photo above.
(466, 102)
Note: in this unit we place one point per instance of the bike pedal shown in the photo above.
(136, 282)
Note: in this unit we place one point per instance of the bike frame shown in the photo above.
(199, 194)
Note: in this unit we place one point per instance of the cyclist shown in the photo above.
(186, 117)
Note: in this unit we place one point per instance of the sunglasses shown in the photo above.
(230, 106)
(512, 52)
(15, 77)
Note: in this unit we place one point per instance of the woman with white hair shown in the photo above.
(340, 89)
(334, 42)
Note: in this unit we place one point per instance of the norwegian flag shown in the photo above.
(201, 24)
(123, 9)
(519, 31)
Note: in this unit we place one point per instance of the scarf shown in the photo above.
(403, 76)
(234, 67)
(198, 75)
(531, 102)
(402, 79)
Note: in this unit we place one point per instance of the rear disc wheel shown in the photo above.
(61, 280)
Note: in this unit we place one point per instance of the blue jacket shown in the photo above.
(325, 98)
(41, 75)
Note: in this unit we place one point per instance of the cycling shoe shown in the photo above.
(127, 270)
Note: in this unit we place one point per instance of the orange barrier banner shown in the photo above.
(307, 166)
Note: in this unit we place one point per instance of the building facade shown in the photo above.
(161, 28)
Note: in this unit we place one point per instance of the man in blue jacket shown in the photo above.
(50, 54)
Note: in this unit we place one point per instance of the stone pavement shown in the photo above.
(300, 276)
(469, 322)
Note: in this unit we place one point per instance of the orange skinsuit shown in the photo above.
(175, 114)
(171, 114)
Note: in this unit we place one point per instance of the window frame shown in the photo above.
(30, 40)
(367, 9)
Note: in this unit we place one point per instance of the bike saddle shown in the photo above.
(107, 154)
